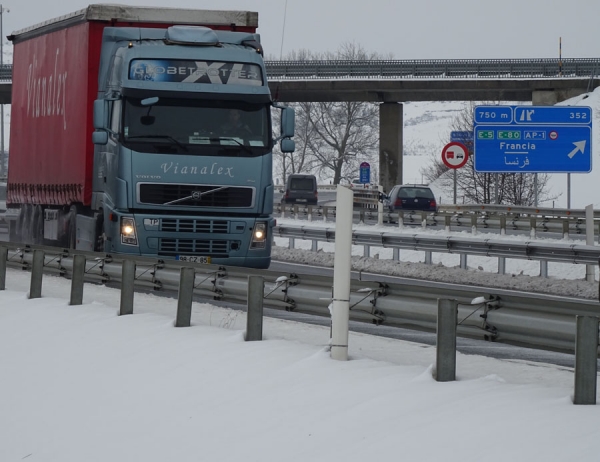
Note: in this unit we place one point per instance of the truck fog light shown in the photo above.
(128, 233)
(259, 236)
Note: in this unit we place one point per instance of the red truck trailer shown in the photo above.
(55, 83)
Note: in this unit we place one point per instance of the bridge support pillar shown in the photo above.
(390, 144)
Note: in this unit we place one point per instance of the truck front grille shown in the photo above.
(190, 195)
(200, 247)
(175, 225)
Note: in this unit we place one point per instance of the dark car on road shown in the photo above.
(300, 189)
(410, 197)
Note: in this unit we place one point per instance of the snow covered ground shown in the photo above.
(80, 383)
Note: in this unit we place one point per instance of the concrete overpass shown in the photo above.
(541, 81)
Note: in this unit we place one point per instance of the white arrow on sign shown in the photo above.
(579, 146)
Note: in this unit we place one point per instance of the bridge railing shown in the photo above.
(5, 72)
(419, 68)
(452, 68)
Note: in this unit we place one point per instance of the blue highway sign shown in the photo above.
(365, 173)
(528, 139)
(461, 136)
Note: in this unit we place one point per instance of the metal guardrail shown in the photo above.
(531, 250)
(421, 69)
(5, 72)
(540, 321)
(567, 222)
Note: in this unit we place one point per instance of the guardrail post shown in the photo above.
(502, 225)
(292, 242)
(254, 320)
(463, 261)
(325, 212)
(590, 270)
(565, 226)
(474, 224)
(445, 355)
(428, 257)
(586, 365)
(396, 254)
(77, 280)
(423, 220)
(309, 217)
(400, 220)
(37, 270)
(3, 257)
(501, 265)
(543, 268)
(447, 222)
(315, 245)
(366, 251)
(187, 276)
(532, 228)
(127, 287)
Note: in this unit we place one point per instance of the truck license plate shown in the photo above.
(194, 259)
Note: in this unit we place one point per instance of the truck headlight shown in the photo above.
(259, 235)
(128, 233)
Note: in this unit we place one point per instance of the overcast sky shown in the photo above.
(426, 29)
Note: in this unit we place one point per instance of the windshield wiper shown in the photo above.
(196, 195)
(244, 147)
(165, 137)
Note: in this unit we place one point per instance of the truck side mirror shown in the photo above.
(288, 121)
(100, 137)
(287, 145)
(100, 119)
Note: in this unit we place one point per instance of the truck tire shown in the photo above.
(100, 233)
(72, 228)
(26, 224)
(37, 225)
(14, 228)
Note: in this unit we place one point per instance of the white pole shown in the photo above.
(380, 206)
(340, 314)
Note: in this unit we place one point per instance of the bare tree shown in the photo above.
(302, 160)
(346, 135)
(333, 138)
(486, 188)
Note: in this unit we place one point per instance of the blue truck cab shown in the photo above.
(183, 146)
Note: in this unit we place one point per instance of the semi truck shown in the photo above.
(145, 131)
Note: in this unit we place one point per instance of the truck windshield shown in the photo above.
(200, 127)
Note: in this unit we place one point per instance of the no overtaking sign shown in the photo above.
(455, 155)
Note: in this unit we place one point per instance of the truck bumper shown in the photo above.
(226, 240)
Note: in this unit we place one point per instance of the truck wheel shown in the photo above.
(26, 224)
(14, 228)
(37, 225)
(72, 228)
(100, 234)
